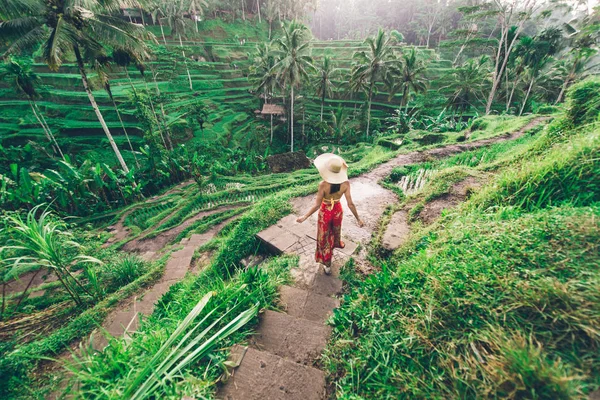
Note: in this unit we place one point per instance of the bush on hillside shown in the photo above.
(390, 142)
(547, 109)
(431, 138)
(127, 270)
(479, 125)
(398, 173)
(584, 102)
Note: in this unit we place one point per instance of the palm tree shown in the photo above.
(196, 7)
(323, 82)
(294, 62)
(174, 15)
(339, 121)
(101, 65)
(412, 77)
(270, 14)
(263, 75)
(157, 12)
(25, 81)
(373, 64)
(356, 83)
(123, 59)
(581, 53)
(69, 27)
(535, 53)
(468, 83)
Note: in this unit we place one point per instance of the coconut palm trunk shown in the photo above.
(526, 96)
(258, 8)
(55, 142)
(369, 107)
(567, 82)
(292, 118)
(149, 98)
(185, 62)
(271, 128)
(46, 130)
(164, 116)
(322, 104)
(162, 31)
(125, 131)
(90, 95)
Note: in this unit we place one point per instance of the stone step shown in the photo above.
(307, 305)
(397, 231)
(186, 252)
(296, 339)
(176, 268)
(262, 375)
(199, 239)
(148, 256)
(327, 285)
(278, 239)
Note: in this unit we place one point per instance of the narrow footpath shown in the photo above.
(125, 318)
(281, 360)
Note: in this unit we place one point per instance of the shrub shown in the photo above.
(398, 173)
(584, 102)
(547, 109)
(126, 270)
(479, 125)
(390, 142)
(431, 138)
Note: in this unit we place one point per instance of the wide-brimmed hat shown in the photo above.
(332, 168)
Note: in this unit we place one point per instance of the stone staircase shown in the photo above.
(280, 361)
(126, 319)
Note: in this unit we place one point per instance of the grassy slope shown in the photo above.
(498, 299)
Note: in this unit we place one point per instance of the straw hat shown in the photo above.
(333, 169)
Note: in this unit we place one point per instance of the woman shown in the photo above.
(334, 171)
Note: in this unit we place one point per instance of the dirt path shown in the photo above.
(150, 246)
(120, 231)
(281, 360)
(125, 318)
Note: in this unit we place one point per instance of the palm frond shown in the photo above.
(11, 9)
(115, 32)
(59, 40)
(27, 42)
(18, 27)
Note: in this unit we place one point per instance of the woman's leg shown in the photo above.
(336, 226)
(324, 246)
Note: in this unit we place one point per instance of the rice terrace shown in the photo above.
(299, 199)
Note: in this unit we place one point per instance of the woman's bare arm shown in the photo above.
(315, 207)
(352, 207)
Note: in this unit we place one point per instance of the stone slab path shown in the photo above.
(280, 361)
(126, 318)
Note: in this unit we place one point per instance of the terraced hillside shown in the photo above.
(218, 61)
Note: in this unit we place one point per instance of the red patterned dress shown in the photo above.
(329, 230)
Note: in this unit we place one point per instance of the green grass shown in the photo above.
(523, 297)
(498, 299)
(123, 359)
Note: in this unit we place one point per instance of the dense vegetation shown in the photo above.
(145, 119)
(498, 298)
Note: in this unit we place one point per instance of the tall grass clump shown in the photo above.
(583, 102)
(442, 323)
(126, 270)
(43, 243)
(569, 173)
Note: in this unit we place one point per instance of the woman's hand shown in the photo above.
(361, 223)
(301, 220)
